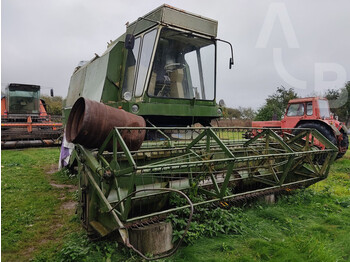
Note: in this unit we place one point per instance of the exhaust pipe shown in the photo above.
(90, 122)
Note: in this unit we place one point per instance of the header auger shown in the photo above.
(134, 145)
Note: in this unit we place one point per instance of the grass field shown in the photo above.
(39, 223)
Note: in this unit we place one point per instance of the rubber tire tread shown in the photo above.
(344, 143)
(324, 130)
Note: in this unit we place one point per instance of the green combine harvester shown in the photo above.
(138, 131)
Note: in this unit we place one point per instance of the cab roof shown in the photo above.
(306, 99)
(172, 16)
(23, 87)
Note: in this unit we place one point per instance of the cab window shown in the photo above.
(296, 110)
(131, 63)
(309, 110)
(183, 67)
(324, 109)
(145, 60)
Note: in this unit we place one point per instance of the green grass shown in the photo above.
(309, 225)
(32, 217)
(303, 227)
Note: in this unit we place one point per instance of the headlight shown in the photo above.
(127, 96)
(134, 108)
(219, 112)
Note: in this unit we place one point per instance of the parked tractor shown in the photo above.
(130, 134)
(24, 120)
(312, 112)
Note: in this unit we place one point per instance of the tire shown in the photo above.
(344, 144)
(323, 129)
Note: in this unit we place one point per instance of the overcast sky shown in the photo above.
(300, 44)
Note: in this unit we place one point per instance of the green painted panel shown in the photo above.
(76, 86)
(112, 88)
(95, 78)
(172, 109)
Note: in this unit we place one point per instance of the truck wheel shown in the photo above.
(344, 144)
(323, 130)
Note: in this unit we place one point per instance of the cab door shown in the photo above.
(294, 114)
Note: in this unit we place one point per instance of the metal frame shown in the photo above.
(216, 162)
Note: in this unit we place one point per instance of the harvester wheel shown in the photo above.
(323, 130)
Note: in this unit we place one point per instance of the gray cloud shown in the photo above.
(43, 41)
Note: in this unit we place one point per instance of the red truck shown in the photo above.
(312, 112)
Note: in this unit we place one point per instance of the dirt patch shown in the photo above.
(62, 197)
(30, 249)
(70, 205)
(52, 169)
(70, 188)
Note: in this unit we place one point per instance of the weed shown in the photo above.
(206, 221)
(79, 248)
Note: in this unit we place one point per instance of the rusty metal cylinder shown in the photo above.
(90, 122)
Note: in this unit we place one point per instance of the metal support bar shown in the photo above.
(122, 230)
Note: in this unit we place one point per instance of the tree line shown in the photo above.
(53, 104)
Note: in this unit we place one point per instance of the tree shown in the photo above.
(233, 113)
(345, 109)
(247, 113)
(275, 104)
(339, 102)
(53, 104)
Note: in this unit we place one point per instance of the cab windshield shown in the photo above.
(183, 67)
(324, 108)
(23, 102)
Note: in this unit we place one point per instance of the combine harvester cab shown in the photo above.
(129, 115)
(24, 120)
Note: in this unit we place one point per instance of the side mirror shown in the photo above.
(129, 41)
(230, 63)
(222, 103)
(51, 92)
